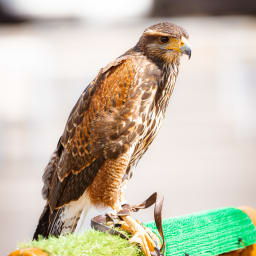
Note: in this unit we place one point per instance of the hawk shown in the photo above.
(109, 129)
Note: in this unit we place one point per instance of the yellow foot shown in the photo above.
(29, 252)
(148, 241)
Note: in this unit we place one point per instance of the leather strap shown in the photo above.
(99, 222)
(158, 220)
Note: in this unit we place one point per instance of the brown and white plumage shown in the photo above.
(111, 126)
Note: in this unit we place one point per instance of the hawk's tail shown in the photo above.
(42, 226)
(49, 223)
(59, 221)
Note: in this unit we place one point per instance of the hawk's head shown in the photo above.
(164, 42)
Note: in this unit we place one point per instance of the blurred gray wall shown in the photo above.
(165, 8)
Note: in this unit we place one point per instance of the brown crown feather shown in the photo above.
(167, 29)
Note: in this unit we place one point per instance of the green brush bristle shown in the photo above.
(89, 243)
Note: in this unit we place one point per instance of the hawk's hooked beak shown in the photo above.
(179, 45)
(185, 47)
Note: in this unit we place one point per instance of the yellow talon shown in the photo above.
(147, 240)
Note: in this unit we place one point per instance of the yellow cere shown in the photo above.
(175, 44)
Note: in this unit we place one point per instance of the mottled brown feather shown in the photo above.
(103, 125)
(105, 188)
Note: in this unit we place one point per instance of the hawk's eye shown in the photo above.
(164, 39)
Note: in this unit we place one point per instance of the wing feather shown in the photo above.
(102, 125)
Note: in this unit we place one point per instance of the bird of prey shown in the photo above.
(109, 129)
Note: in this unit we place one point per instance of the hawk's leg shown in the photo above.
(143, 236)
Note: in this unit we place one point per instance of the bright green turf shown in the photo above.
(89, 243)
(207, 233)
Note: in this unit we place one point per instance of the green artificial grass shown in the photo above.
(207, 233)
(89, 243)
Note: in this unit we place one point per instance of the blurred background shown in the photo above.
(205, 154)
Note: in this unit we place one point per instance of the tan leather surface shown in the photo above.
(248, 251)
(29, 252)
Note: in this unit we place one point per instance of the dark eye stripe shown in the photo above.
(164, 39)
